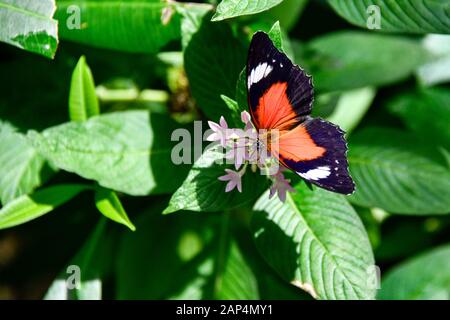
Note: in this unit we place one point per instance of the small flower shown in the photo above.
(247, 120)
(220, 131)
(234, 180)
(280, 185)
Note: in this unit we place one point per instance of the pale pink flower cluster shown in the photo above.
(243, 148)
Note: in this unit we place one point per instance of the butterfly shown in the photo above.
(280, 97)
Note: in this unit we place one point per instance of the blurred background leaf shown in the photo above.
(336, 65)
(425, 277)
(394, 171)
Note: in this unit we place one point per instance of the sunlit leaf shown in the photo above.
(108, 203)
(234, 8)
(416, 16)
(29, 207)
(29, 25)
(124, 151)
(83, 102)
(315, 241)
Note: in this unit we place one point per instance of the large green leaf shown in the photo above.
(394, 171)
(316, 241)
(425, 277)
(183, 257)
(427, 112)
(416, 16)
(213, 66)
(336, 65)
(132, 25)
(203, 191)
(234, 8)
(20, 166)
(93, 261)
(83, 102)
(29, 207)
(29, 25)
(191, 21)
(124, 151)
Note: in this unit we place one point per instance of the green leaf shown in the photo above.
(191, 21)
(108, 203)
(29, 25)
(425, 277)
(94, 261)
(184, 256)
(213, 66)
(316, 241)
(438, 69)
(131, 26)
(427, 112)
(276, 36)
(351, 108)
(20, 166)
(203, 191)
(287, 13)
(124, 151)
(414, 16)
(83, 102)
(29, 207)
(336, 65)
(234, 110)
(234, 8)
(394, 171)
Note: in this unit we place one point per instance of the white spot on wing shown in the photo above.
(316, 174)
(262, 70)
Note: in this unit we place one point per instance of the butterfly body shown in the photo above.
(280, 98)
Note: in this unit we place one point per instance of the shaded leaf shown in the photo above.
(396, 172)
(425, 277)
(213, 66)
(427, 112)
(94, 261)
(29, 25)
(182, 257)
(29, 207)
(295, 238)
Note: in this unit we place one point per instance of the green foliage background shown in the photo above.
(89, 99)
